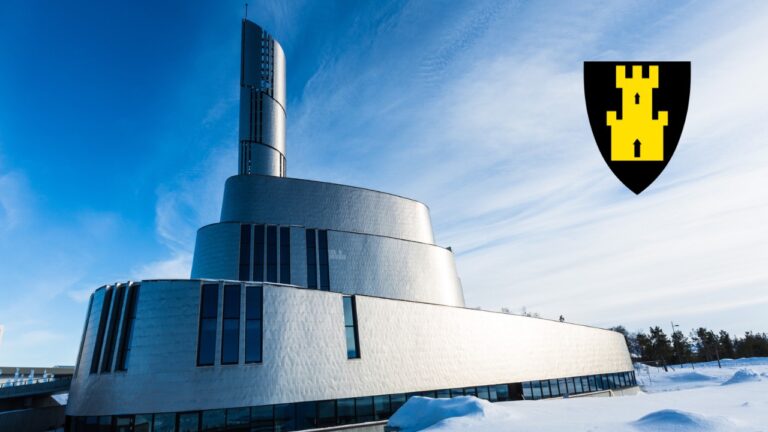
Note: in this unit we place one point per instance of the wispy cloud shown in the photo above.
(189, 202)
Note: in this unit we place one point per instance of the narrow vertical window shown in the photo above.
(85, 333)
(126, 335)
(206, 343)
(258, 253)
(350, 327)
(96, 358)
(311, 259)
(271, 253)
(230, 325)
(245, 252)
(114, 320)
(253, 310)
(322, 240)
(285, 255)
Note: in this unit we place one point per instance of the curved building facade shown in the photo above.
(312, 305)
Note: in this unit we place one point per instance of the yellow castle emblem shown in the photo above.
(637, 136)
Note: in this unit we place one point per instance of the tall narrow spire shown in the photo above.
(262, 103)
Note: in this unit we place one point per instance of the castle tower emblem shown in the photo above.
(637, 111)
(637, 136)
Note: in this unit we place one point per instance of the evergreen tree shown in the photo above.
(726, 345)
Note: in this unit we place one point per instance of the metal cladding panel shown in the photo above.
(262, 119)
(391, 268)
(289, 201)
(217, 251)
(359, 264)
(405, 347)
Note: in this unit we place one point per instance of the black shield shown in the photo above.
(635, 151)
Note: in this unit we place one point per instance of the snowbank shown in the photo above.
(742, 376)
(690, 377)
(422, 412)
(674, 420)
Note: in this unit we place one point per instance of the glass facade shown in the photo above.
(209, 308)
(230, 331)
(105, 305)
(285, 255)
(245, 252)
(311, 259)
(350, 327)
(253, 312)
(322, 246)
(258, 252)
(126, 335)
(271, 253)
(314, 414)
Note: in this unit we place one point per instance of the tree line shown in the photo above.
(701, 345)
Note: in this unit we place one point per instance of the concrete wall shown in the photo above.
(405, 347)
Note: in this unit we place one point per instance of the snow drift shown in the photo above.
(742, 376)
(422, 412)
(674, 420)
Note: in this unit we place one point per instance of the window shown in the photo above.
(554, 388)
(592, 383)
(396, 401)
(126, 335)
(470, 391)
(253, 311)
(85, 332)
(214, 420)
(311, 259)
(305, 415)
(206, 342)
(482, 393)
(326, 413)
(230, 325)
(102, 326)
(545, 393)
(164, 423)
(457, 392)
(143, 423)
(350, 327)
(322, 241)
(123, 423)
(578, 385)
(238, 419)
(258, 252)
(537, 393)
(245, 252)
(114, 320)
(527, 393)
(502, 392)
(189, 422)
(444, 394)
(271, 253)
(262, 419)
(285, 255)
(346, 411)
(285, 417)
(562, 387)
(364, 409)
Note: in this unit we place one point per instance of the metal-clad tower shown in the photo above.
(262, 103)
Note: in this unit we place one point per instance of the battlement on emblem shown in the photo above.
(637, 136)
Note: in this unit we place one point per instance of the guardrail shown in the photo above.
(36, 387)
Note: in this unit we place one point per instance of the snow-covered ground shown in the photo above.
(734, 398)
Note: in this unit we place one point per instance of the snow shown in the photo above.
(707, 398)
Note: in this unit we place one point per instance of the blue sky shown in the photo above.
(118, 129)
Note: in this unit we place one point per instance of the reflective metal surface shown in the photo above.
(404, 346)
(262, 103)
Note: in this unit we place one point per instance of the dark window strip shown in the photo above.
(97, 347)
